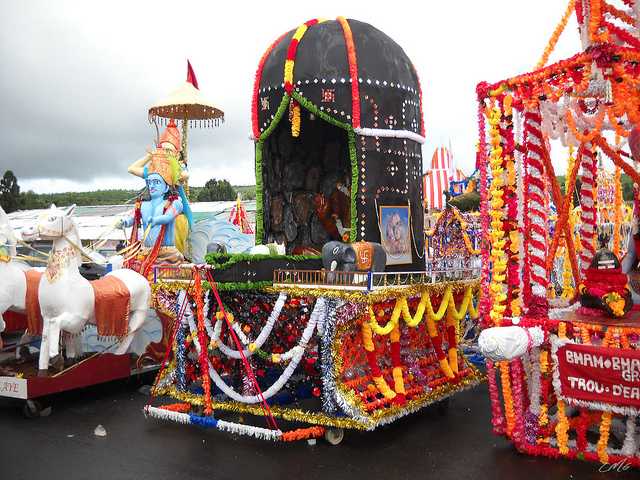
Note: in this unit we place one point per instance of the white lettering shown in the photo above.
(620, 466)
(615, 363)
(631, 375)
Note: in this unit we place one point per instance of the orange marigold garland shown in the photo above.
(353, 72)
(556, 34)
(562, 429)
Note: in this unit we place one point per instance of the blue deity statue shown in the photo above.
(167, 212)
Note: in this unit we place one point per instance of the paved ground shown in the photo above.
(426, 445)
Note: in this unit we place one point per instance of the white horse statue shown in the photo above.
(67, 299)
(13, 284)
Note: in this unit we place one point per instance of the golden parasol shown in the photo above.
(187, 104)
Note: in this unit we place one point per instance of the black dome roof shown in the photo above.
(323, 75)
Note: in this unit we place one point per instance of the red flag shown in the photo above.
(191, 75)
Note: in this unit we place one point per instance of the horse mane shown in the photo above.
(74, 236)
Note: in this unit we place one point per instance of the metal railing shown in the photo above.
(343, 280)
(369, 280)
(322, 278)
(174, 273)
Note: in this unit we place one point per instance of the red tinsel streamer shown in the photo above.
(623, 35)
(517, 374)
(511, 220)
(497, 417)
(588, 212)
(177, 407)
(437, 346)
(535, 212)
(582, 425)
(302, 434)
(396, 362)
(372, 360)
(256, 88)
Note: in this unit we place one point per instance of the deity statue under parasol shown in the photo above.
(166, 215)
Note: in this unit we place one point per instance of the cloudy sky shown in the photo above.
(78, 78)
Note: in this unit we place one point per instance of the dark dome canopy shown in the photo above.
(323, 70)
(337, 107)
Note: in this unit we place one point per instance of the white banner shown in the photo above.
(13, 387)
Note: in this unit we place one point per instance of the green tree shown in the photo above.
(30, 200)
(217, 190)
(248, 192)
(9, 192)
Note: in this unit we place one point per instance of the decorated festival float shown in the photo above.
(333, 323)
(564, 373)
(79, 332)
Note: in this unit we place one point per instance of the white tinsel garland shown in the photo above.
(214, 332)
(237, 428)
(297, 354)
(629, 447)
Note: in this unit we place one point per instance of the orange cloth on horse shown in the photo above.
(111, 306)
(32, 303)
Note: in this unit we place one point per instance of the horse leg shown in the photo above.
(23, 340)
(136, 320)
(68, 322)
(43, 360)
(73, 345)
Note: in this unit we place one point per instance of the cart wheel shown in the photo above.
(32, 409)
(334, 435)
(443, 406)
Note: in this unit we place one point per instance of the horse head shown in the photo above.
(7, 238)
(56, 223)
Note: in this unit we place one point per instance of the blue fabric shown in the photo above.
(208, 422)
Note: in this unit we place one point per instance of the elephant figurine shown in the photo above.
(353, 257)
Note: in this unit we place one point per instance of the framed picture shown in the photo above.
(395, 232)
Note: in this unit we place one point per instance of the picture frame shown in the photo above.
(395, 233)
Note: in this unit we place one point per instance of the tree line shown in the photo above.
(12, 199)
